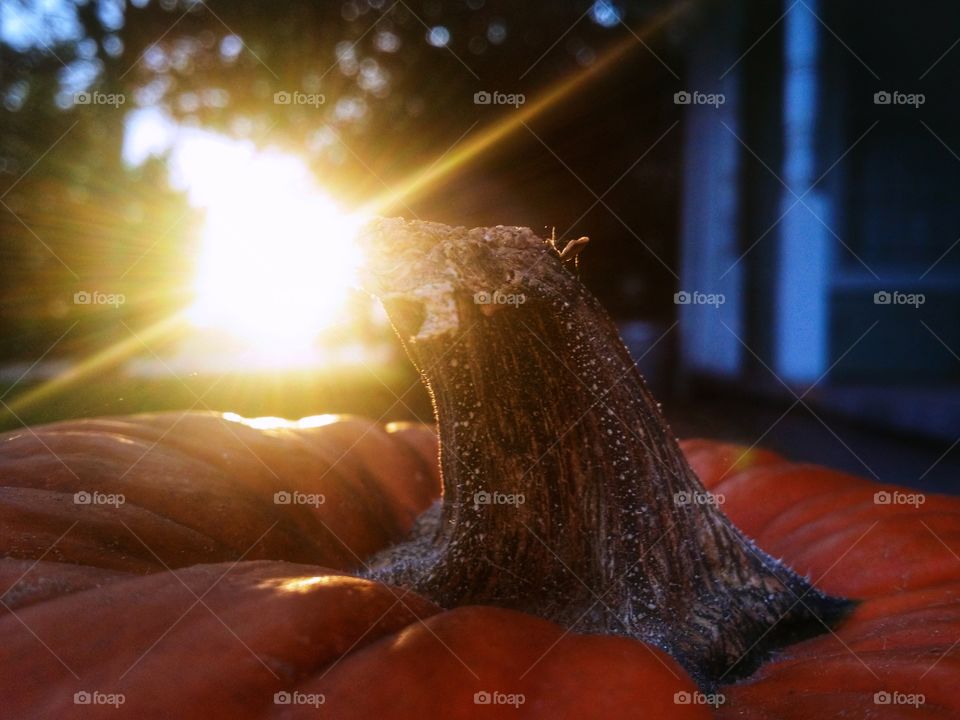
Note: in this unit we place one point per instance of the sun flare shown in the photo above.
(277, 254)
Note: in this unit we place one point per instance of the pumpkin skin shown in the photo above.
(182, 635)
(199, 488)
(897, 559)
(279, 612)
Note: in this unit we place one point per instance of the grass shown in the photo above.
(370, 392)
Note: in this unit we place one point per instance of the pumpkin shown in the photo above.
(184, 587)
(580, 563)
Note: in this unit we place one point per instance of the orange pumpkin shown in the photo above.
(580, 564)
(898, 654)
(201, 597)
(184, 601)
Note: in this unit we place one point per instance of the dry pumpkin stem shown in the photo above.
(565, 494)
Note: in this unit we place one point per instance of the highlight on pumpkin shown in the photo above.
(268, 422)
(303, 585)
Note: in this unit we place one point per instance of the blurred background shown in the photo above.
(769, 188)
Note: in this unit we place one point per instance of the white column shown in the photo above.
(801, 299)
(711, 206)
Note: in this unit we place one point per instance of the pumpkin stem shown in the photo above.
(565, 494)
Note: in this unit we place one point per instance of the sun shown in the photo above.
(277, 255)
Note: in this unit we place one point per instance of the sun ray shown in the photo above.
(111, 356)
(416, 184)
(424, 180)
